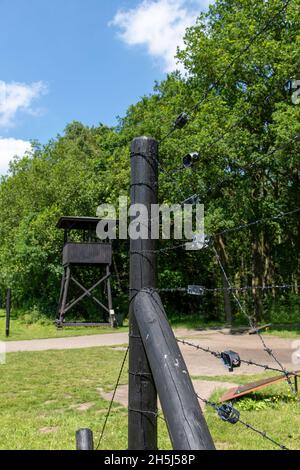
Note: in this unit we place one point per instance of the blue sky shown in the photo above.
(85, 60)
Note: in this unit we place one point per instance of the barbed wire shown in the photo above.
(113, 399)
(218, 355)
(239, 227)
(251, 165)
(202, 289)
(253, 325)
(263, 220)
(151, 413)
(168, 174)
(185, 117)
(224, 414)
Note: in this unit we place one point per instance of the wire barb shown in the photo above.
(254, 327)
(186, 117)
(234, 418)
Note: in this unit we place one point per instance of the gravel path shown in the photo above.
(79, 342)
(204, 388)
(199, 363)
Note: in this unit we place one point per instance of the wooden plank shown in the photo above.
(243, 390)
(259, 329)
(87, 254)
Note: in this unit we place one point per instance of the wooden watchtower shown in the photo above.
(82, 249)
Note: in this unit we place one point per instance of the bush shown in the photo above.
(34, 316)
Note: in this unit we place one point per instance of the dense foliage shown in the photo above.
(246, 130)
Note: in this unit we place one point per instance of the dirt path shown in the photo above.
(204, 388)
(199, 363)
(79, 342)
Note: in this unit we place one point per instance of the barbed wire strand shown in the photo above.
(214, 86)
(217, 408)
(263, 220)
(168, 174)
(203, 289)
(113, 399)
(254, 327)
(259, 221)
(218, 355)
(263, 434)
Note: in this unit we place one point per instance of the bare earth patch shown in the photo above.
(203, 388)
(83, 406)
(49, 430)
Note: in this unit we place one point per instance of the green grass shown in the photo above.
(273, 411)
(284, 332)
(20, 331)
(41, 396)
(192, 322)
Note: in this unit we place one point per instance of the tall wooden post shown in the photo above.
(142, 420)
(8, 311)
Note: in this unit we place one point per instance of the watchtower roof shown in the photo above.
(78, 223)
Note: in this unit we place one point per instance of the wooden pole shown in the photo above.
(142, 418)
(187, 426)
(84, 440)
(8, 311)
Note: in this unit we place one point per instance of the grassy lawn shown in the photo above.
(284, 332)
(273, 411)
(21, 331)
(47, 396)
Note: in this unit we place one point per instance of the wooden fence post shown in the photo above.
(8, 311)
(84, 440)
(142, 418)
(187, 426)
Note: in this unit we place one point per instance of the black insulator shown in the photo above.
(231, 360)
(229, 414)
(190, 159)
(191, 201)
(181, 121)
(196, 290)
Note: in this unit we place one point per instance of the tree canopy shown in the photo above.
(240, 60)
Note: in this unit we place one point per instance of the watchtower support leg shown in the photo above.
(112, 317)
(62, 285)
(65, 294)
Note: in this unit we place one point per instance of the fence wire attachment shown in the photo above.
(190, 159)
(181, 121)
(192, 200)
(196, 290)
(231, 360)
(229, 414)
(199, 242)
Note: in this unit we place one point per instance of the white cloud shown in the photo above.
(10, 148)
(159, 25)
(16, 97)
